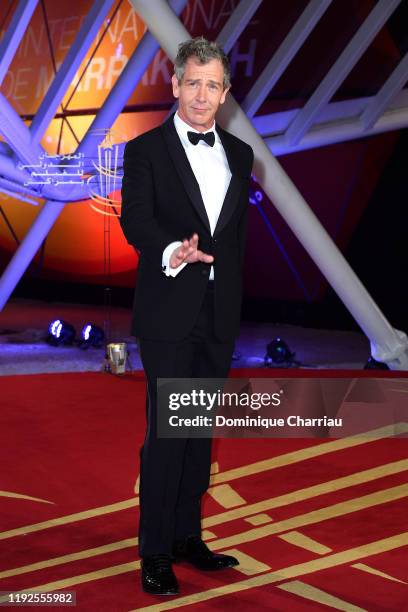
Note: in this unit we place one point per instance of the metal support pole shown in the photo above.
(17, 134)
(15, 32)
(341, 68)
(381, 100)
(284, 55)
(28, 248)
(237, 22)
(89, 29)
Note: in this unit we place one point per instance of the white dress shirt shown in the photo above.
(210, 167)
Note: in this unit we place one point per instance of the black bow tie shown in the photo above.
(195, 137)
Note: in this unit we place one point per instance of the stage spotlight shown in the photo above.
(278, 353)
(372, 364)
(92, 335)
(60, 332)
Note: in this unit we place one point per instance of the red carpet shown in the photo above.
(316, 523)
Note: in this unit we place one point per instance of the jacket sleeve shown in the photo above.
(243, 221)
(138, 221)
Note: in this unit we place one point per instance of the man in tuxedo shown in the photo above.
(184, 207)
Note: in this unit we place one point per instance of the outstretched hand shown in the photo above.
(188, 252)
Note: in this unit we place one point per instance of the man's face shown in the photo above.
(200, 92)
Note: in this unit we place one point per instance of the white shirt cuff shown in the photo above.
(168, 271)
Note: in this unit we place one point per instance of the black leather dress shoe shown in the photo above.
(157, 575)
(195, 551)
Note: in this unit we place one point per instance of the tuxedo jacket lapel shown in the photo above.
(235, 185)
(180, 159)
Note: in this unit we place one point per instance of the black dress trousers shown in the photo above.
(175, 473)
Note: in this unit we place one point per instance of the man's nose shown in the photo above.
(201, 93)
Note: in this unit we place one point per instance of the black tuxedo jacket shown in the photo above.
(161, 203)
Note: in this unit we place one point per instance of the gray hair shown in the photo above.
(204, 51)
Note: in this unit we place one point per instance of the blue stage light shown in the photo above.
(86, 332)
(60, 332)
(373, 364)
(92, 335)
(55, 328)
(278, 353)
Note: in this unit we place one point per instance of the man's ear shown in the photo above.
(223, 95)
(175, 85)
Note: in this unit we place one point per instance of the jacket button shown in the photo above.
(204, 272)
